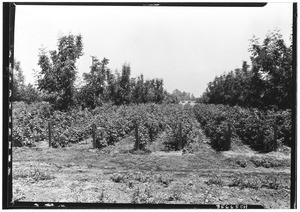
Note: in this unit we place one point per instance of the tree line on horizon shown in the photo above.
(266, 83)
(56, 81)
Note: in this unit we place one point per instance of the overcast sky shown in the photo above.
(185, 46)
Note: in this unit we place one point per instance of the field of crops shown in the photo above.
(202, 154)
(263, 131)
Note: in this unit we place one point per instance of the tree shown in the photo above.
(58, 71)
(170, 98)
(31, 94)
(18, 86)
(159, 90)
(119, 87)
(268, 84)
(272, 68)
(111, 90)
(125, 87)
(232, 88)
(94, 89)
(138, 90)
(183, 96)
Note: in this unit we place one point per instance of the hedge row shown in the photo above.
(255, 128)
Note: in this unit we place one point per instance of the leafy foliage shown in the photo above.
(183, 96)
(58, 71)
(252, 126)
(268, 84)
(91, 95)
(151, 119)
(20, 91)
(18, 85)
(29, 123)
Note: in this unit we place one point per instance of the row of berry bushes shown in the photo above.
(113, 123)
(255, 128)
(215, 123)
(70, 127)
(30, 124)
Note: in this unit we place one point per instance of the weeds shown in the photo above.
(36, 174)
(273, 182)
(254, 182)
(246, 182)
(165, 180)
(267, 162)
(242, 163)
(118, 178)
(176, 193)
(217, 180)
(18, 195)
(142, 195)
(141, 177)
(101, 197)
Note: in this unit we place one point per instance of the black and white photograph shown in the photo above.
(152, 105)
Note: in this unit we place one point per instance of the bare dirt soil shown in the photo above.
(116, 174)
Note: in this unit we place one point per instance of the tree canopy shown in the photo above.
(268, 83)
(58, 71)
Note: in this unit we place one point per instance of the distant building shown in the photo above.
(192, 103)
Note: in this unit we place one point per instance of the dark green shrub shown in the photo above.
(255, 131)
(283, 120)
(221, 138)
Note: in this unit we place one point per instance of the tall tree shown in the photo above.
(125, 88)
(159, 91)
(95, 80)
(18, 86)
(272, 67)
(138, 90)
(58, 71)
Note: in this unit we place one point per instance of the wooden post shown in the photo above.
(180, 146)
(275, 136)
(50, 133)
(229, 133)
(137, 139)
(94, 135)
(229, 130)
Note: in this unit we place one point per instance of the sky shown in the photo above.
(185, 46)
